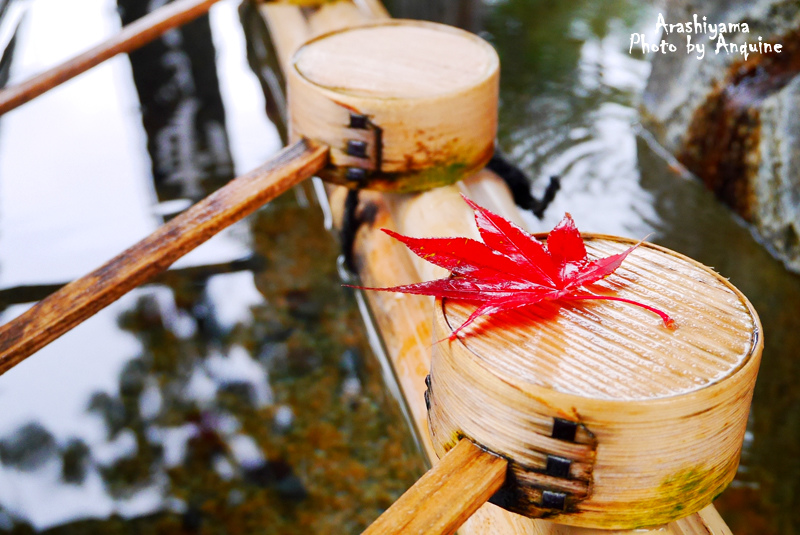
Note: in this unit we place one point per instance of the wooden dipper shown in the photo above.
(404, 105)
(396, 106)
(607, 419)
(589, 413)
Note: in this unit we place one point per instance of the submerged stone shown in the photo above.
(28, 448)
(734, 121)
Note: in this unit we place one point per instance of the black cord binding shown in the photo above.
(350, 224)
(519, 185)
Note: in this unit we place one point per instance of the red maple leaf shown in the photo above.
(511, 268)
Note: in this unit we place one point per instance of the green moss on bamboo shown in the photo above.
(422, 180)
(683, 493)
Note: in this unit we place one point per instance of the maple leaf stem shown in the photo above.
(669, 323)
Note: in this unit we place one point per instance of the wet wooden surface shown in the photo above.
(611, 350)
(660, 413)
(426, 95)
(446, 496)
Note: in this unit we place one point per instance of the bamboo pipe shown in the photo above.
(129, 38)
(82, 298)
(404, 320)
(439, 503)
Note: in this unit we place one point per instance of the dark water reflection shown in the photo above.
(182, 112)
(239, 394)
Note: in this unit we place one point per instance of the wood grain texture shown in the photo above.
(662, 412)
(446, 496)
(288, 28)
(82, 298)
(429, 91)
(490, 520)
(404, 321)
(398, 59)
(131, 37)
(611, 350)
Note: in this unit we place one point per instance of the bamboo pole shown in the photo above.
(131, 37)
(15, 295)
(82, 298)
(404, 320)
(439, 503)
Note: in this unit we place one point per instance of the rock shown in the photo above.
(192, 519)
(277, 474)
(735, 122)
(28, 448)
(76, 457)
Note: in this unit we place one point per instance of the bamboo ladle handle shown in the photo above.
(447, 495)
(82, 298)
(130, 38)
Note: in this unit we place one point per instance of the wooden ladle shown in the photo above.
(590, 414)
